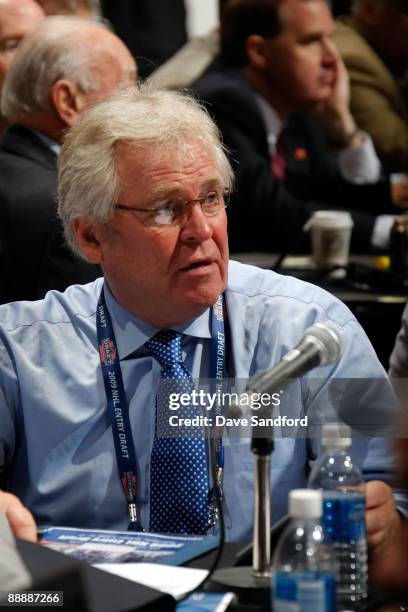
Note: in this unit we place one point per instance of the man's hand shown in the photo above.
(334, 112)
(21, 520)
(385, 535)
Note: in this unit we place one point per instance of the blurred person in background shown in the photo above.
(190, 62)
(17, 18)
(281, 99)
(66, 65)
(373, 43)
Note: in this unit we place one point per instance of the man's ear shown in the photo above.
(255, 50)
(64, 97)
(87, 238)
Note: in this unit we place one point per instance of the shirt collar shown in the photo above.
(273, 123)
(132, 333)
(54, 146)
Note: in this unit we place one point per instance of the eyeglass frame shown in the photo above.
(224, 195)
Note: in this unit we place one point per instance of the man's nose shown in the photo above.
(196, 226)
(328, 52)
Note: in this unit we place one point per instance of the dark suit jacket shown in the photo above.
(264, 213)
(33, 256)
(153, 30)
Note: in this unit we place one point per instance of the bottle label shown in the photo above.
(344, 517)
(298, 594)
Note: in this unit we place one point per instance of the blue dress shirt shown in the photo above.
(56, 445)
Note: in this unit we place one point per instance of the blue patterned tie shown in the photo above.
(178, 469)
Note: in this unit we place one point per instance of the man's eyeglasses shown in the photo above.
(173, 210)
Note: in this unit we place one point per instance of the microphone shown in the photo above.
(320, 345)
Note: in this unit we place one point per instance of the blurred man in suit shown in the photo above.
(61, 69)
(279, 64)
(17, 18)
(374, 46)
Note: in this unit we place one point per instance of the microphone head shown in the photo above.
(327, 339)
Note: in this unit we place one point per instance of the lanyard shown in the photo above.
(217, 372)
(119, 410)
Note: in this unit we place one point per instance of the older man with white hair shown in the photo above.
(66, 65)
(143, 189)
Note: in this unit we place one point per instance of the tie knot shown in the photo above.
(165, 346)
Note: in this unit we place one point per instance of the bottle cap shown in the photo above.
(305, 503)
(336, 435)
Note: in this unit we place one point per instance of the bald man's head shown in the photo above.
(64, 66)
(17, 18)
(80, 8)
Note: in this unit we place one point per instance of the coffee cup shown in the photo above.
(330, 236)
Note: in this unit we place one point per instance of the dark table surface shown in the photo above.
(375, 297)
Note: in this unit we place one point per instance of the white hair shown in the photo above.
(157, 122)
(58, 48)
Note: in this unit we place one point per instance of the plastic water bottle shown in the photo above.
(304, 574)
(342, 485)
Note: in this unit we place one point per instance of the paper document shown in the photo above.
(167, 578)
(103, 546)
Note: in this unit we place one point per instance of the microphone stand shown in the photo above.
(253, 584)
(320, 345)
(262, 448)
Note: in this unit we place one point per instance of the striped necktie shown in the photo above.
(278, 158)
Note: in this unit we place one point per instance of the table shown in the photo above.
(377, 310)
(89, 589)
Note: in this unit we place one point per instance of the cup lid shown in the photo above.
(330, 219)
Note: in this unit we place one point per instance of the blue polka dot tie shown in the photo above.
(178, 469)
